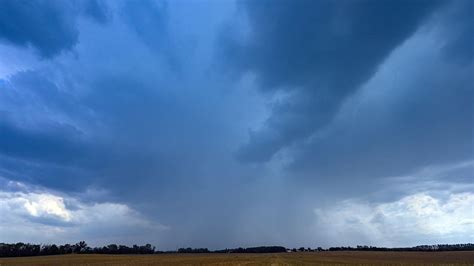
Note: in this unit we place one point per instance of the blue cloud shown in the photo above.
(320, 52)
(150, 106)
(48, 26)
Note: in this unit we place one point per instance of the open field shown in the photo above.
(321, 258)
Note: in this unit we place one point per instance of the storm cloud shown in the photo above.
(223, 124)
(318, 53)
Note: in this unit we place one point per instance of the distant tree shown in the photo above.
(80, 247)
(54, 250)
(113, 249)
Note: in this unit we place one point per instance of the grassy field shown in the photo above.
(322, 258)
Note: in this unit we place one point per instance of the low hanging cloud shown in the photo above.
(415, 219)
(41, 216)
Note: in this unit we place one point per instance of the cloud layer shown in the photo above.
(231, 122)
(45, 217)
(412, 220)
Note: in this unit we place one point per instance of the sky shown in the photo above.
(219, 124)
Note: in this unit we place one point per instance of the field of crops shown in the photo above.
(313, 258)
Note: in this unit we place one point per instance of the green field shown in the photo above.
(313, 258)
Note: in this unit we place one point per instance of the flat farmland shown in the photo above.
(313, 258)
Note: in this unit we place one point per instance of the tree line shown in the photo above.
(437, 247)
(25, 249)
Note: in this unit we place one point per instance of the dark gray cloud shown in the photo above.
(319, 52)
(37, 119)
(416, 111)
(427, 121)
(53, 144)
(49, 26)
